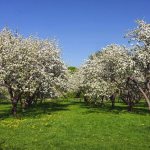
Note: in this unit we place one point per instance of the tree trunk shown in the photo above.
(130, 106)
(142, 91)
(145, 96)
(23, 105)
(129, 102)
(15, 96)
(14, 106)
(102, 101)
(78, 94)
(112, 98)
(28, 102)
(85, 99)
(30, 99)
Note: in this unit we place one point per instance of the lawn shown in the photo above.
(72, 125)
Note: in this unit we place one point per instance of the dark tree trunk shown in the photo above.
(130, 106)
(30, 100)
(85, 99)
(14, 106)
(102, 101)
(78, 94)
(142, 91)
(15, 96)
(23, 105)
(15, 100)
(112, 98)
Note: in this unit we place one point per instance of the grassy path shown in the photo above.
(74, 126)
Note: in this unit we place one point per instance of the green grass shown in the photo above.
(74, 126)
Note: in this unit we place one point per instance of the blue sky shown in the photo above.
(81, 26)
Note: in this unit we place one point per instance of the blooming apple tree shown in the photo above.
(105, 71)
(141, 56)
(30, 67)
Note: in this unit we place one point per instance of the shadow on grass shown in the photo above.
(35, 110)
(5, 103)
(5, 114)
(5, 110)
(50, 107)
(140, 108)
(45, 108)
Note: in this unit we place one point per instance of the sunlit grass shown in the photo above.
(73, 126)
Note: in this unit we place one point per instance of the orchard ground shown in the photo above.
(72, 125)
